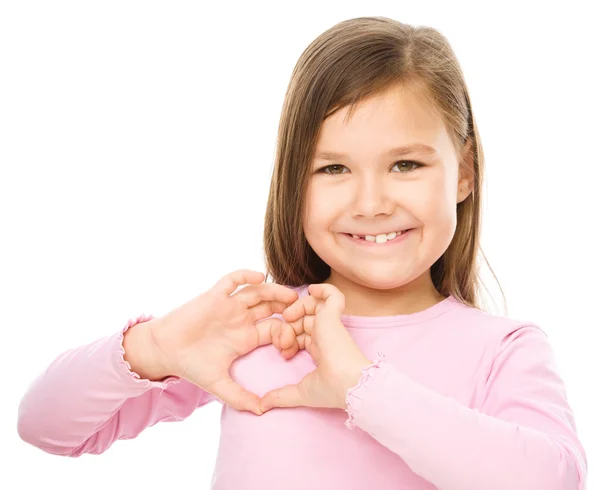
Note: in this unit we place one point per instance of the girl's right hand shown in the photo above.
(199, 340)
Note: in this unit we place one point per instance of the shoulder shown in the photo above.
(499, 330)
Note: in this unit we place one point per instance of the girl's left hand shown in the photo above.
(339, 360)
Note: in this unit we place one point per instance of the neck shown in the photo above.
(361, 300)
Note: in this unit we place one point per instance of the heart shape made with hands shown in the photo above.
(317, 328)
(235, 322)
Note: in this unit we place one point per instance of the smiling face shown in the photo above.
(360, 185)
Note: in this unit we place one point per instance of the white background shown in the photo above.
(136, 147)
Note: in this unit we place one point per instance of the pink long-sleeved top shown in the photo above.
(458, 399)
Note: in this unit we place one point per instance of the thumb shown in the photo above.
(236, 396)
(285, 397)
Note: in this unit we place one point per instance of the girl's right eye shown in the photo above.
(334, 167)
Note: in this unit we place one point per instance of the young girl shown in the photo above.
(367, 362)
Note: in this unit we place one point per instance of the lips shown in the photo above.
(363, 235)
(380, 239)
(360, 235)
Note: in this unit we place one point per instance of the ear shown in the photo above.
(466, 171)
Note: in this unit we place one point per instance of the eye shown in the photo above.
(410, 165)
(405, 166)
(334, 169)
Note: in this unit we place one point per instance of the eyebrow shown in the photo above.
(398, 151)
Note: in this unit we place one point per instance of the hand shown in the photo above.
(339, 360)
(199, 340)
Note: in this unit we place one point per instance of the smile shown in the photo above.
(379, 240)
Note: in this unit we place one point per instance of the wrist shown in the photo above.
(350, 377)
(142, 353)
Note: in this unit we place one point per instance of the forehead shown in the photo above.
(394, 118)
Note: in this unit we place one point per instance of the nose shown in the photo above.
(371, 198)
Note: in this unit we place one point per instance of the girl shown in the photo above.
(368, 361)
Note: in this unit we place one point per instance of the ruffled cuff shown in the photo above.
(354, 395)
(164, 383)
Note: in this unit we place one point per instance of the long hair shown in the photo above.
(352, 60)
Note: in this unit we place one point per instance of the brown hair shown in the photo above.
(352, 60)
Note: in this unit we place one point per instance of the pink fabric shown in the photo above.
(457, 399)
(352, 400)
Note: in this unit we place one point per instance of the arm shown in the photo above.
(523, 437)
(88, 398)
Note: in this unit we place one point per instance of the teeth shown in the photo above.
(384, 237)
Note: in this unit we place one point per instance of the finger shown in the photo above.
(286, 397)
(266, 309)
(291, 351)
(281, 335)
(287, 336)
(255, 294)
(304, 324)
(284, 340)
(304, 306)
(276, 335)
(268, 331)
(237, 397)
(229, 283)
(332, 296)
(305, 342)
(309, 347)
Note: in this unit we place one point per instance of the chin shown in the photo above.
(383, 280)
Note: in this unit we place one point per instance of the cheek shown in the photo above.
(319, 206)
(437, 200)
(314, 212)
(438, 206)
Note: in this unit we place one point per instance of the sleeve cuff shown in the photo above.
(356, 394)
(126, 367)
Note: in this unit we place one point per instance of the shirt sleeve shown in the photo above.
(523, 435)
(88, 398)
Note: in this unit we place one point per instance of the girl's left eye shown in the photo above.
(411, 165)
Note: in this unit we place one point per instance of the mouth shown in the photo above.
(379, 239)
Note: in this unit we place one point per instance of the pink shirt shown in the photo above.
(462, 400)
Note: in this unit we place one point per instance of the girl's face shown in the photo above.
(368, 188)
